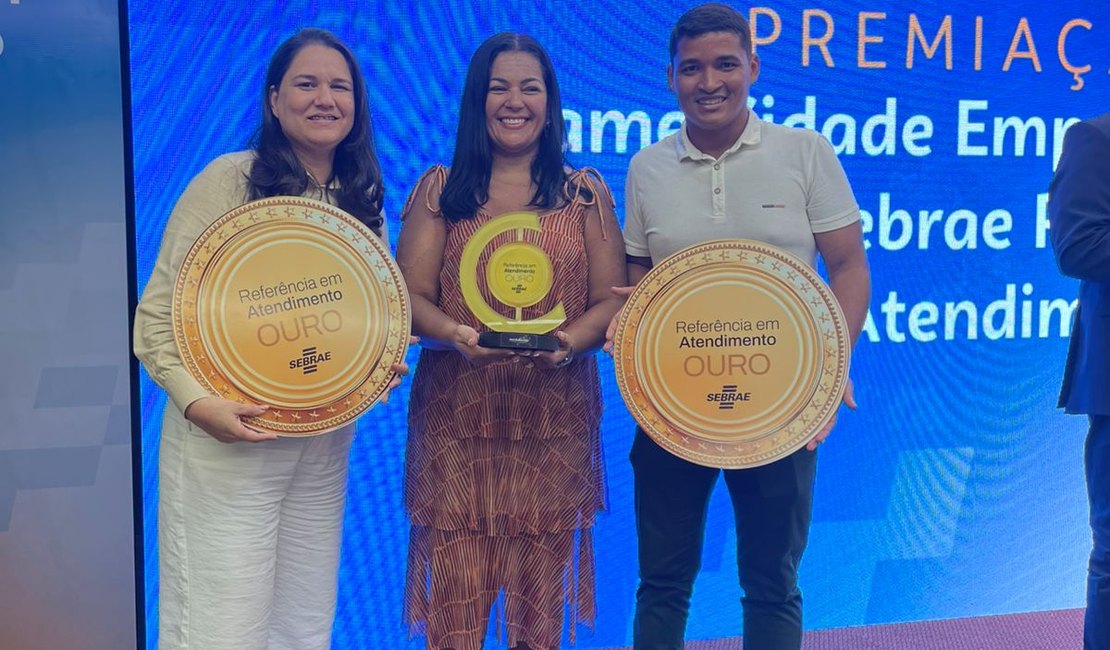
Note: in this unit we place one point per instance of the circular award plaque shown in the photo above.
(295, 304)
(732, 353)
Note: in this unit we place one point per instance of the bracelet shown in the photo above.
(567, 359)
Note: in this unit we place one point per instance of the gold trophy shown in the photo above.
(732, 353)
(295, 304)
(518, 275)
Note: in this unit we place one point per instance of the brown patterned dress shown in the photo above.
(503, 474)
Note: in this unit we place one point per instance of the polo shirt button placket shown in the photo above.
(718, 199)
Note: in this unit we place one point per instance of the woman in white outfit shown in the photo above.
(249, 524)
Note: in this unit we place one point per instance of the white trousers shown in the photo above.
(248, 539)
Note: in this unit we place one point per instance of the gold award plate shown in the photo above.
(732, 353)
(295, 304)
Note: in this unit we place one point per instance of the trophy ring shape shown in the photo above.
(519, 275)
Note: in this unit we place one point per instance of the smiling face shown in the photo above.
(315, 102)
(516, 104)
(711, 74)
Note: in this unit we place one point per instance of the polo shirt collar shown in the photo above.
(751, 136)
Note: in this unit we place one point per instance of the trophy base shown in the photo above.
(518, 341)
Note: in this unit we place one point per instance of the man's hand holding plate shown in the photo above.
(849, 400)
(611, 331)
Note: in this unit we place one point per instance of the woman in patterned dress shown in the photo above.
(504, 474)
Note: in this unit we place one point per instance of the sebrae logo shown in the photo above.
(728, 397)
(309, 360)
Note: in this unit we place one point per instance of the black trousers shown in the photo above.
(772, 505)
(1096, 624)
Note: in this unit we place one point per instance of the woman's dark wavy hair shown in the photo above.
(467, 187)
(276, 171)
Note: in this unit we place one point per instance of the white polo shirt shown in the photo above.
(776, 184)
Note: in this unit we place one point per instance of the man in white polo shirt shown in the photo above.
(728, 175)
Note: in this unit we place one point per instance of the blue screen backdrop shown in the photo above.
(956, 489)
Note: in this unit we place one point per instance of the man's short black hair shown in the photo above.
(711, 17)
